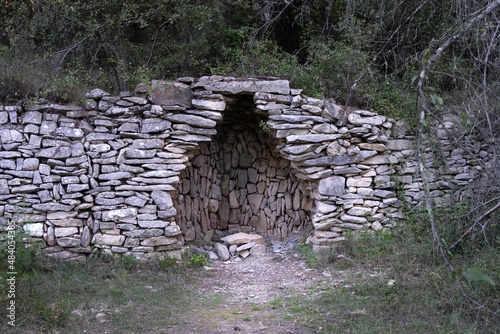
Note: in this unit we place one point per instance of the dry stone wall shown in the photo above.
(143, 172)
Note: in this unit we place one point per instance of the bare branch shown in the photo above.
(470, 229)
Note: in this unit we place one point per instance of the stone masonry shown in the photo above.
(143, 172)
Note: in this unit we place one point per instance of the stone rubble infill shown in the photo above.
(143, 172)
(238, 246)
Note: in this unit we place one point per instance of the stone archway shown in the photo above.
(116, 174)
(239, 182)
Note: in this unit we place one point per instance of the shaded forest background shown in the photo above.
(416, 60)
(365, 53)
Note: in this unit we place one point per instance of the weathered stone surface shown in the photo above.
(400, 144)
(168, 93)
(65, 231)
(243, 238)
(356, 119)
(332, 186)
(192, 120)
(254, 200)
(108, 239)
(258, 250)
(34, 229)
(144, 144)
(249, 86)
(222, 251)
(380, 160)
(153, 125)
(153, 223)
(344, 159)
(209, 105)
(60, 152)
(162, 199)
(158, 241)
(313, 138)
(124, 215)
(52, 207)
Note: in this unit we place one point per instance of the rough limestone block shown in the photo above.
(108, 239)
(34, 229)
(169, 93)
(332, 186)
(222, 251)
(243, 238)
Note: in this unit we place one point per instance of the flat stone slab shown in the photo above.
(243, 238)
(249, 86)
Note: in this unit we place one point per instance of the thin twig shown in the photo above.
(471, 228)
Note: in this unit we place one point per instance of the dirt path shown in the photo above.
(247, 296)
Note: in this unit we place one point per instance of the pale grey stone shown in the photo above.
(172, 230)
(384, 194)
(258, 250)
(31, 164)
(116, 111)
(362, 182)
(359, 211)
(65, 231)
(61, 152)
(108, 239)
(73, 188)
(34, 229)
(222, 251)
(135, 201)
(123, 215)
(7, 164)
(152, 125)
(158, 241)
(356, 119)
(344, 159)
(143, 144)
(115, 176)
(332, 186)
(70, 133)
(297, 118)
(249, 86)
(162, 199)
(335, 149)
(144, 233)
(52, 207)
(380, 160)
(139, 154)
(260, 96)
(312, 138)
(153, 223)
(169, 213)
(33, 117)
(96, 94)
(97, 136)
(169, 93)
(109, 201)
(209, 105)
(192, 120)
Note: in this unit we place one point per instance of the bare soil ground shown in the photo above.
(248, 296)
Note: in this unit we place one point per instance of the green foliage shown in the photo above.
(194, 258)
(476, 275)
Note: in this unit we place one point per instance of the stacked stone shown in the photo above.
(239, 246)
(44, 175)
(137, 156)
(344, 154)
(131, 174)
(236, 183)
(451, 172)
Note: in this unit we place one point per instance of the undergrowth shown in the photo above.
(100, 293)
(396, 282)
